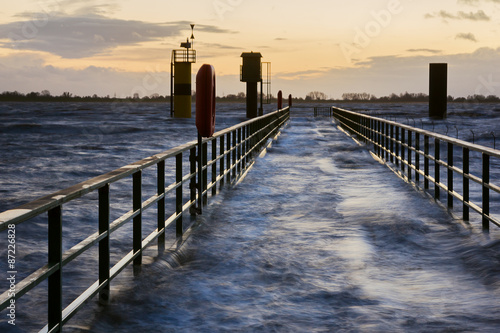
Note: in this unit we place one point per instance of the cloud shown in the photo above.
(478, 16)
(26, 72)
(384, 75)
(474, 2)
(432, 51)
(211, 46)
(301, 75)
(381, 76)
(80, 36)
(466, 36)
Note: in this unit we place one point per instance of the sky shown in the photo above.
(120, 48)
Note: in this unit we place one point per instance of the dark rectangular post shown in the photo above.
(161, 203)
(426, 162)
(486, 191)
(104, 261)
(450, 175)
(251, 100)
(437, 175)
(137, 224)
(438, 90)
(465, 157)
(178, 195)
(55, 259)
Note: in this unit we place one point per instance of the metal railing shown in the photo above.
(184, 55)
(232, 152)
(416, 153)
(322, 111)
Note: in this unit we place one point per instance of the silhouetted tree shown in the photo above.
(316, 96)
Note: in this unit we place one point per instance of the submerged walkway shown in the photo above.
(319, 237)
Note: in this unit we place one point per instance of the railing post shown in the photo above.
(137, 223)
(205, 173)
(437, 175)
(363, 128)
(104, 261)
(379, 139)
(245, 146)
(178, 196)
(192, 183)
(199, 182)
(403, 134)
(374, 135)
(417, 157)
(228, 157)
(465, 184)
(161, 203)
(410, 143)
(387, 142)
(222, 169)
(486, 192)
(392, 143)
(450, 175)
(382, 140)
(233, 146)
(55, 259)
(397, 146)
(426, 162)
(238, 155)
(214, 167)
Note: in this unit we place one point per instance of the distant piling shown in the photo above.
(438, 90)
(251, 73)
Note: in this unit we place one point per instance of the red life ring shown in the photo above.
(280, 100)
(205, 101)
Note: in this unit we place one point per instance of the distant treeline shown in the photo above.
(45, 96)
(420, 97)
(314, 96)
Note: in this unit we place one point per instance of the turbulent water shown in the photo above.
(319, 237)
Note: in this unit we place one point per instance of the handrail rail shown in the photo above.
(402, 144)
(455, 141)
(43, 204)
(232, 151)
